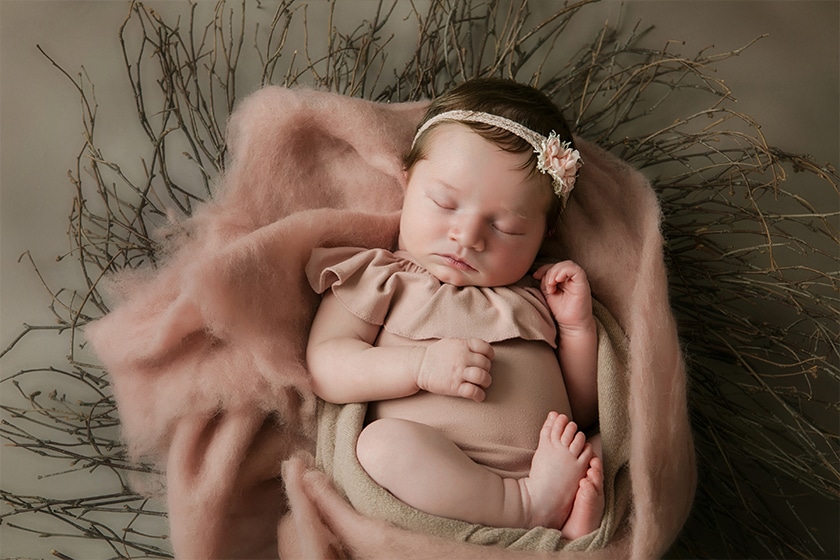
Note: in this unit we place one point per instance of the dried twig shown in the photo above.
(753, 260)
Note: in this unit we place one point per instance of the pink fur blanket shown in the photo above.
(206, 351)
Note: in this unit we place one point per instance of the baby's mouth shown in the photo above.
(457, 263)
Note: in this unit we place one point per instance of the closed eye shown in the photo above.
(507, 230)
(442, 202)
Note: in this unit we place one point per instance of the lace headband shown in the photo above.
(555, 158)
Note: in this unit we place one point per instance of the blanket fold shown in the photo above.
(206, 351)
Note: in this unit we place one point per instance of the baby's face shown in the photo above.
(472, 216)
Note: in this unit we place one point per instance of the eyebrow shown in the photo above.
(517, 213)
(441, 183)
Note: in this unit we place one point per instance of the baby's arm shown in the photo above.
(346, 367)
(567, 292)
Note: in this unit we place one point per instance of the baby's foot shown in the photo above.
(588, 507)
(560, 462)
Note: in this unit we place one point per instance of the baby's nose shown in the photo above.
(469, 232)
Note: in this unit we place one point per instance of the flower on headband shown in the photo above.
(561, 162)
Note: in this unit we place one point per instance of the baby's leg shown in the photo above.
(426, 470)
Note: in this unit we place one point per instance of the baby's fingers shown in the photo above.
(540, 272)
(565, 274)
(471, 392)
(550, 280)
(478, 376)
(481, 347)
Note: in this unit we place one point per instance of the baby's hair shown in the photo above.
(506, 98)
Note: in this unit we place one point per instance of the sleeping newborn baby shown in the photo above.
(473, 359)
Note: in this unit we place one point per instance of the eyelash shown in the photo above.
(448, 206)
(505, 232)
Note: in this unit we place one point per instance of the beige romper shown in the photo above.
(414, 307)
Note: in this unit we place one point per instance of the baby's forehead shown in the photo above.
(445, 136)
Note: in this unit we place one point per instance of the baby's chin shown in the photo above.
(460, 279)
(445, 277)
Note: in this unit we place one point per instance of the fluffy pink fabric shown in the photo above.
(206, 352)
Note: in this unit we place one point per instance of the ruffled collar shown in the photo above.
(393, 290)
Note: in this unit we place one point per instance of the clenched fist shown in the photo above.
(456, 367)
(566, 290)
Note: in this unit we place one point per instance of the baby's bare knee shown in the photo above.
(379, 445)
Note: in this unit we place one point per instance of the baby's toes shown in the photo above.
(587, 489)
(558, 428)
(567, 434)
(578, 447)
(548, 425)
(595, 473)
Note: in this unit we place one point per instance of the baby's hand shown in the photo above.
(456, 367)
(567, 292)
